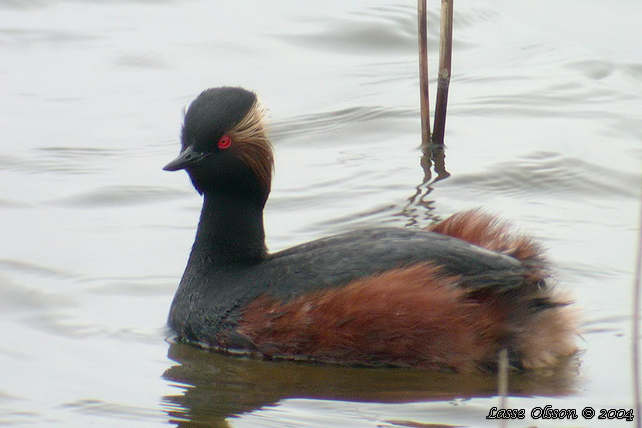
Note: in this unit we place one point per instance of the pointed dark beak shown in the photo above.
(187, 157)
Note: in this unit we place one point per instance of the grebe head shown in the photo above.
(224, 147)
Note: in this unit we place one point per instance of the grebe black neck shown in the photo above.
(225, 151)
(230, 232)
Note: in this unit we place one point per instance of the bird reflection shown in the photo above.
(211, 387)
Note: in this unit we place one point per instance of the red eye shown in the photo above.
(224, 142)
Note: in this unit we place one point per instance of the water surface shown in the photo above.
(544, 128)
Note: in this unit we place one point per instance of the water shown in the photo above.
(544, 128)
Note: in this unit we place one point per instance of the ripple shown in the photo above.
(30, 37)
(591, 68)
(634, 69)
(355, 120)
(378, 73)
(33, 268)
(475, 16)
(21, 5)
(7, 203)
(139, 287)
(32, 4)
(113, 410)
(599, 69)
(20, 418)
(68, 160)
(15, 297)
(370, 32)
(550, 174)
(116, 196)
(142, 61)
(548, 102)
(578, 88)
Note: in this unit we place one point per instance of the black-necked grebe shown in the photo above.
(450, 297)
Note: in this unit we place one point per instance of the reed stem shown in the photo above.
(443, 80)
(637, 295)
(423, 76)
(502, 382)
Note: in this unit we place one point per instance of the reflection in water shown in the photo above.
(544, 126)
(437, 154)
(217, 386)
(419, 208)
